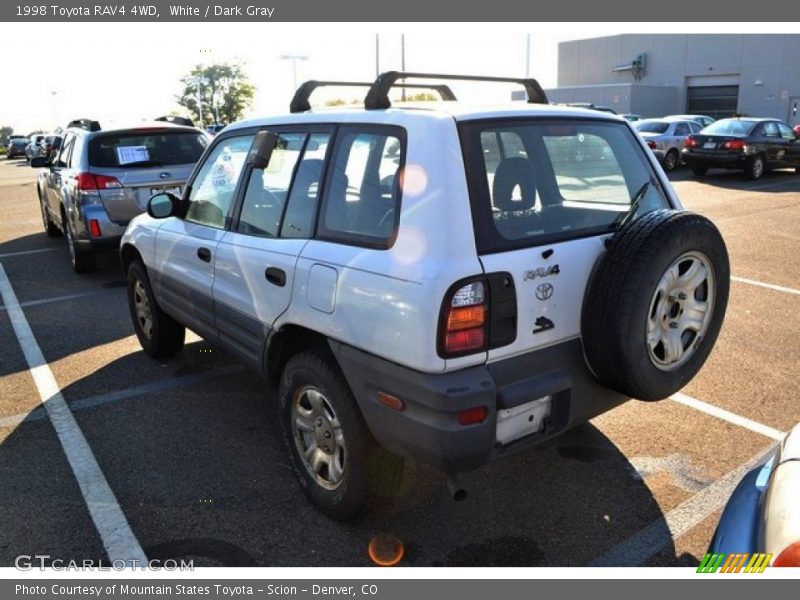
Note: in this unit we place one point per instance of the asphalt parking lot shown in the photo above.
(190, 447)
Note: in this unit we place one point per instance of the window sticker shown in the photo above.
(132, 154)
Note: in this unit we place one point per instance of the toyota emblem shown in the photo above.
(544, 291)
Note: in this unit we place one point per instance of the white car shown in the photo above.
(666, 138)
(437, 281)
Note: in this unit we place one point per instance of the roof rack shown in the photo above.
(300, 101)
(378, 95)
(176, 120)
(86, 124)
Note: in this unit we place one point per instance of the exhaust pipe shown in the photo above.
(454, 486)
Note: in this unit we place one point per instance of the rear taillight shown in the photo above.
(463, 325)
(651, 144)
(790, 557)
(88, 182)
(733, 145)
(691, 142)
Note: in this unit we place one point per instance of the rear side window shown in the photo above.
(156, 148)
(362, 198)
(538, 182)
(301, 210)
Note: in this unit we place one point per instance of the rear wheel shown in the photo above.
(337, 462)
(82, 260)
(159, 334)
(755, 168)
(671, 160)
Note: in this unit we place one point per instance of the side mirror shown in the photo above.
(163, 205)
(262, 149)
(37, 162)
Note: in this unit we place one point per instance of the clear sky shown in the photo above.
(124, 72)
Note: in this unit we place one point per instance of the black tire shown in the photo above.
(163, 336)
(671, 161)
(50, 228)
(370, 476)
(623, 297)
(699, 171)
(755, 167)
(83, 261)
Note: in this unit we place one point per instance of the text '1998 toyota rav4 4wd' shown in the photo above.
(436, 282)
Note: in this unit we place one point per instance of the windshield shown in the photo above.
(158, 148)
(534, 182)
(730, 127)
(651, 126)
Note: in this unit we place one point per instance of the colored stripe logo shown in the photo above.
(734, 563)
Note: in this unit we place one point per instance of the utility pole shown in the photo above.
(377, 54)
(403, 63)
(528, 56)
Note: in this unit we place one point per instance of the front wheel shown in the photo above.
(82, 260)
(50, 228)
(159, 334)
(337, 462)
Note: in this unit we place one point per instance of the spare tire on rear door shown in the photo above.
(655, 304)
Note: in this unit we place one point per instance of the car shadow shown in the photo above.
(201, 473)
(54, 298)
(736, 180)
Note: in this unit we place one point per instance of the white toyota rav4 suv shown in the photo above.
(434, 281)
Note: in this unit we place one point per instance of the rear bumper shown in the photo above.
(723, 161)
(428, 429)
(110, 232)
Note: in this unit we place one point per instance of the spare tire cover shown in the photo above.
(655, 304)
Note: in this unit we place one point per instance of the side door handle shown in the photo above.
(204, 254)
(276, 276)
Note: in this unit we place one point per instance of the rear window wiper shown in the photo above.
(624, 218)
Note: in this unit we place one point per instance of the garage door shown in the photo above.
(718, 101)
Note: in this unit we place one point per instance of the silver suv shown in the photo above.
(432, 281)
(98, 180)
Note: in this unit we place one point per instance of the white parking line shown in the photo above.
(24, 252)
(118, 539)
(726, 415)
(642, 546)
(769, 286)
(38, 414)
(55, 299)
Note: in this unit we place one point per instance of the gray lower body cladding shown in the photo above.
(428, 428)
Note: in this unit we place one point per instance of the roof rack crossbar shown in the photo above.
(86, 124)
(378, 95)
(300, 101)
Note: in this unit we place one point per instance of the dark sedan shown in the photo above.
(16, 147)
(751, 145)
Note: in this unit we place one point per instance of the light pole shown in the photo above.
(294, 58)
(54, 96)
(199, 81)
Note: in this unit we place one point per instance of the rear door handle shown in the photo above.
(204, 254)
(276, 276)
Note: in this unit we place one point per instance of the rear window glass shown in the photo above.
(535, 182)
(651, 126)
(730, 127)
(146, 149)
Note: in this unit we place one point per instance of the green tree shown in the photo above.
(5, 131)
(422, 97)
(225, 91)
